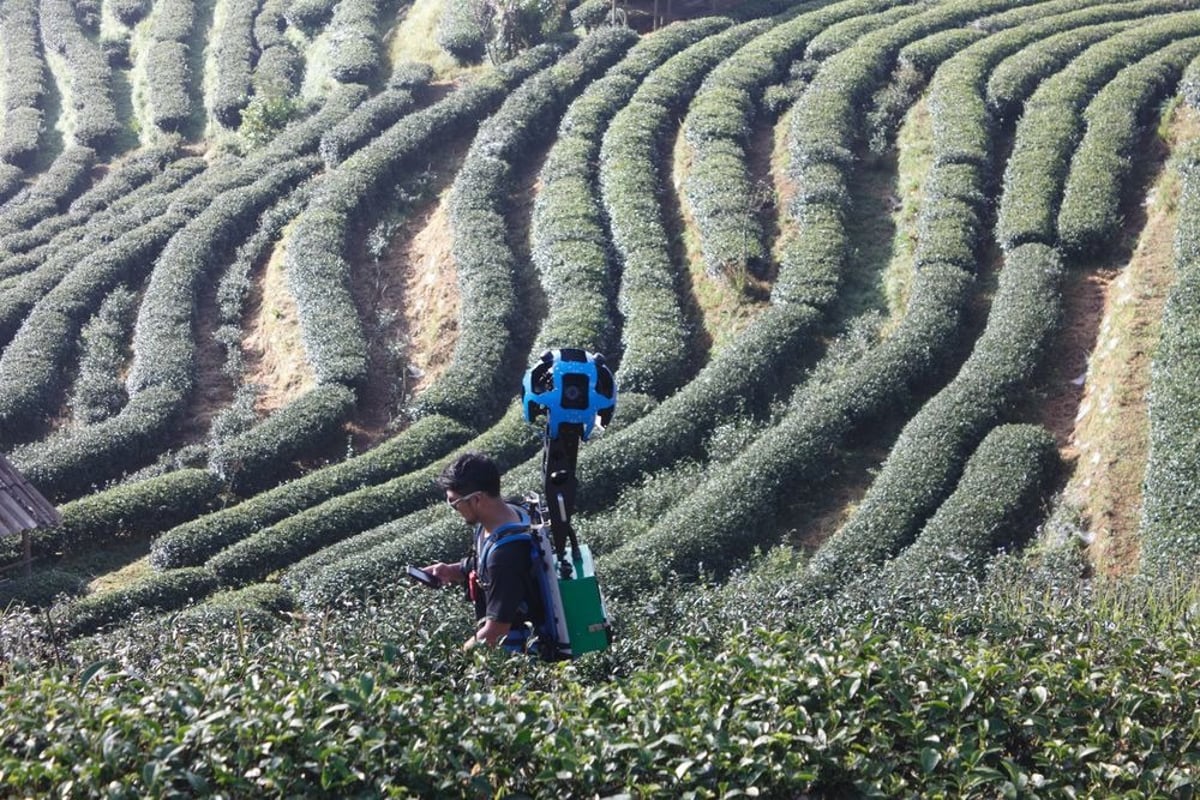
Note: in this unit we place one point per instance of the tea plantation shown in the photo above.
(900, 496)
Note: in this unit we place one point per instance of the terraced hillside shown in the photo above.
(890, 286)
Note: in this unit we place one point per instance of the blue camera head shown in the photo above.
(572, 387)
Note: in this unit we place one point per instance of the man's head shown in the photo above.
(467, 477)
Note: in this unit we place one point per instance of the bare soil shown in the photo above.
(273, 349)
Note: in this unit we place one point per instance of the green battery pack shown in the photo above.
(583, 607)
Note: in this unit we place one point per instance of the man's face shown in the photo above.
(464, 504)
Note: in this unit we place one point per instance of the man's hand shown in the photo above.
(446, 573)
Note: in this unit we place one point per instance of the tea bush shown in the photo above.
(569, 236)
(196, 540)
(459, 32)
(97, 393)
(234, 55)
(24, 82)
(1169, 525)
(658, 355)
(1116, 120)
(473, 385)
(162, 591)
(1052, 124)
(52, 192)
(93, 120)
(354, 41)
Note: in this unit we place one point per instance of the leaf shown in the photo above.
(683, 768)
(930, 758)
(92, 670)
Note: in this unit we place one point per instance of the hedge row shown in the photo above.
(1052, 124)
(130, 12)
(166, 66)
(234, 54)
(842, 35)
(330, 327)
(569, 232)
(458, 32)
(195, 541)
(1171, 495)
(1017, 76)
(98, 391)
(24, 82)
(361, 564)
(51, 193)
(91, 112)
(1116, 119)
(740, 504)
(925, 55)
(928, 457)
(354, 44)
(718, 187)
(377, 114)
(1189, 84)
(11, 178)
(509, 442)
(143, 508)
(69, 462)
(493, 335)
(48, 265)
(658, 354)
(995, 507)
(160, 591)
(308, 16)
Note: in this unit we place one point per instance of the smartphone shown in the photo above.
(421, 576)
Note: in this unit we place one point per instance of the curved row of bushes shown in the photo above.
(994, 508)
(375, 115)
(459, 33)
(493, 333)
(569, 232)
(91, 112)
(98, 392)
(196, 540)
(354, 41)
(158, 591)
(162, 376)
(1016, 77)
(658, 354)
(24, 82)
(51, 193)
(1170, 524)
(720, 119)
(1052, 124)
(168, 73)
(330, 328)
(45, 267)
(509, 442)
(233, 56)
(1090, 215)
(280, 66)
(927, 459)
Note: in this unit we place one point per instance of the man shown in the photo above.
(498, 572)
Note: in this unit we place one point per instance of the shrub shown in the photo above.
(1171, 501)
(51, 193)
(194, 541)
(1090, 215)
(354, 41)
(41, 589)
(98, 392)
(472, 387)
(92, 115)
(169, 101)
(657, 355)
(234, 56)
(24, 82)
(163, 591)
(569, 238)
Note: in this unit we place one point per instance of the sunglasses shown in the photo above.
(454, 503)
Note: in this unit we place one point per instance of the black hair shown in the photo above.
(471, 472)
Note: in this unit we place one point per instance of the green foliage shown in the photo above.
(24, 82)
(93, 117)
(265, 116)
(1090, 216)
(163, 591)
(234, 54)
(51, 193)
(492, 334)
(41, 589)
(1170, 520)
(657, 354)
(193, 542)
(1053, 124)
(569, 239)
(459, 32)
(97, 393)
(354, 42)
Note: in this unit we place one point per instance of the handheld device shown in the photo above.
(421, 576)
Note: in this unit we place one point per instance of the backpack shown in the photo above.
(574, 619)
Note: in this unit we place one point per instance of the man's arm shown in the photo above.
(489, 633)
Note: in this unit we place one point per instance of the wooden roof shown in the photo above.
(22, 507)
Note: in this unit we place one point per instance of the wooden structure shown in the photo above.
(22, 509)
